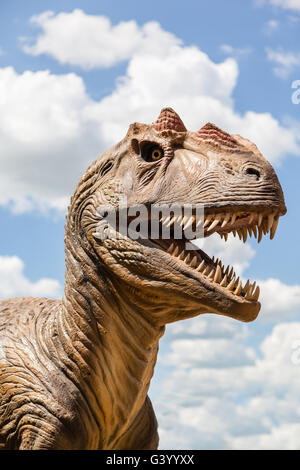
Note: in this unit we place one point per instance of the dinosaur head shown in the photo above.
(163, 165)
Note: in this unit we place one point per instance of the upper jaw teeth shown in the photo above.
(256, 223)
(242, 223)
(216, 272)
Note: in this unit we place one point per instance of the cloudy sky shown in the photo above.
(73, 76)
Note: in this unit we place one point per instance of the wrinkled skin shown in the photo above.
(75, 373)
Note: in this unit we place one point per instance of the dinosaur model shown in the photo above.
(75, 373)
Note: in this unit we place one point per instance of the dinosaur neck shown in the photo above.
(111, 346)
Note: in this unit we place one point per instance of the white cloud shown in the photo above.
(91, 41)
(251, 402)
(285, 61)
(286, 4)
(293, 20)
(50, 129)
(13, 282)
(271, 26)
(200, 353)
(207, 328)
(284, 436)
(46, 138)
(279, 301)
(235, 51)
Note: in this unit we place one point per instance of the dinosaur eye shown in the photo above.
(151, 153)
(156, 154)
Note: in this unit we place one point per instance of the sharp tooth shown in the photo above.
(187, 259)
(184, 220)
(246, 286)
(255, 296)
(172, 220)
(251, 217)
(245, 233)
(231, 284)
(211, 274)
(193, 263)
(166, 220)
(274, 227)
(213, 259)
(171, 248)
(181, 256)
(234, 233)
(249, 231)
(234, 216)
(205, 270)
(260, 232)
(238, 290)
(249, 292)
(226, 219)
(254, 231)
(224, 281)
(226, 236)
(200, 221)
(189, 223)
(208, 219)
(240, 233)
(259, 220)
(200, 267)
(215, 222)
(218, 274)
(270, 221)
(175, 252)
(230, 273)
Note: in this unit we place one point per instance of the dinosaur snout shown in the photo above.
(261, 179)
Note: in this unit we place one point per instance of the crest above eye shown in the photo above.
(211, 133)
(169, 120)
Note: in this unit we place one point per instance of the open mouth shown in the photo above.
(241, 223)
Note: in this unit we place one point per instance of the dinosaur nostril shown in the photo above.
(254, 172)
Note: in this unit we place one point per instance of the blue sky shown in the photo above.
(232, 63)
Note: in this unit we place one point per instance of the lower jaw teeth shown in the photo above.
(215, 272)
(257, 225)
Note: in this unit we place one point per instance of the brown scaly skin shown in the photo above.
(75, 373)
